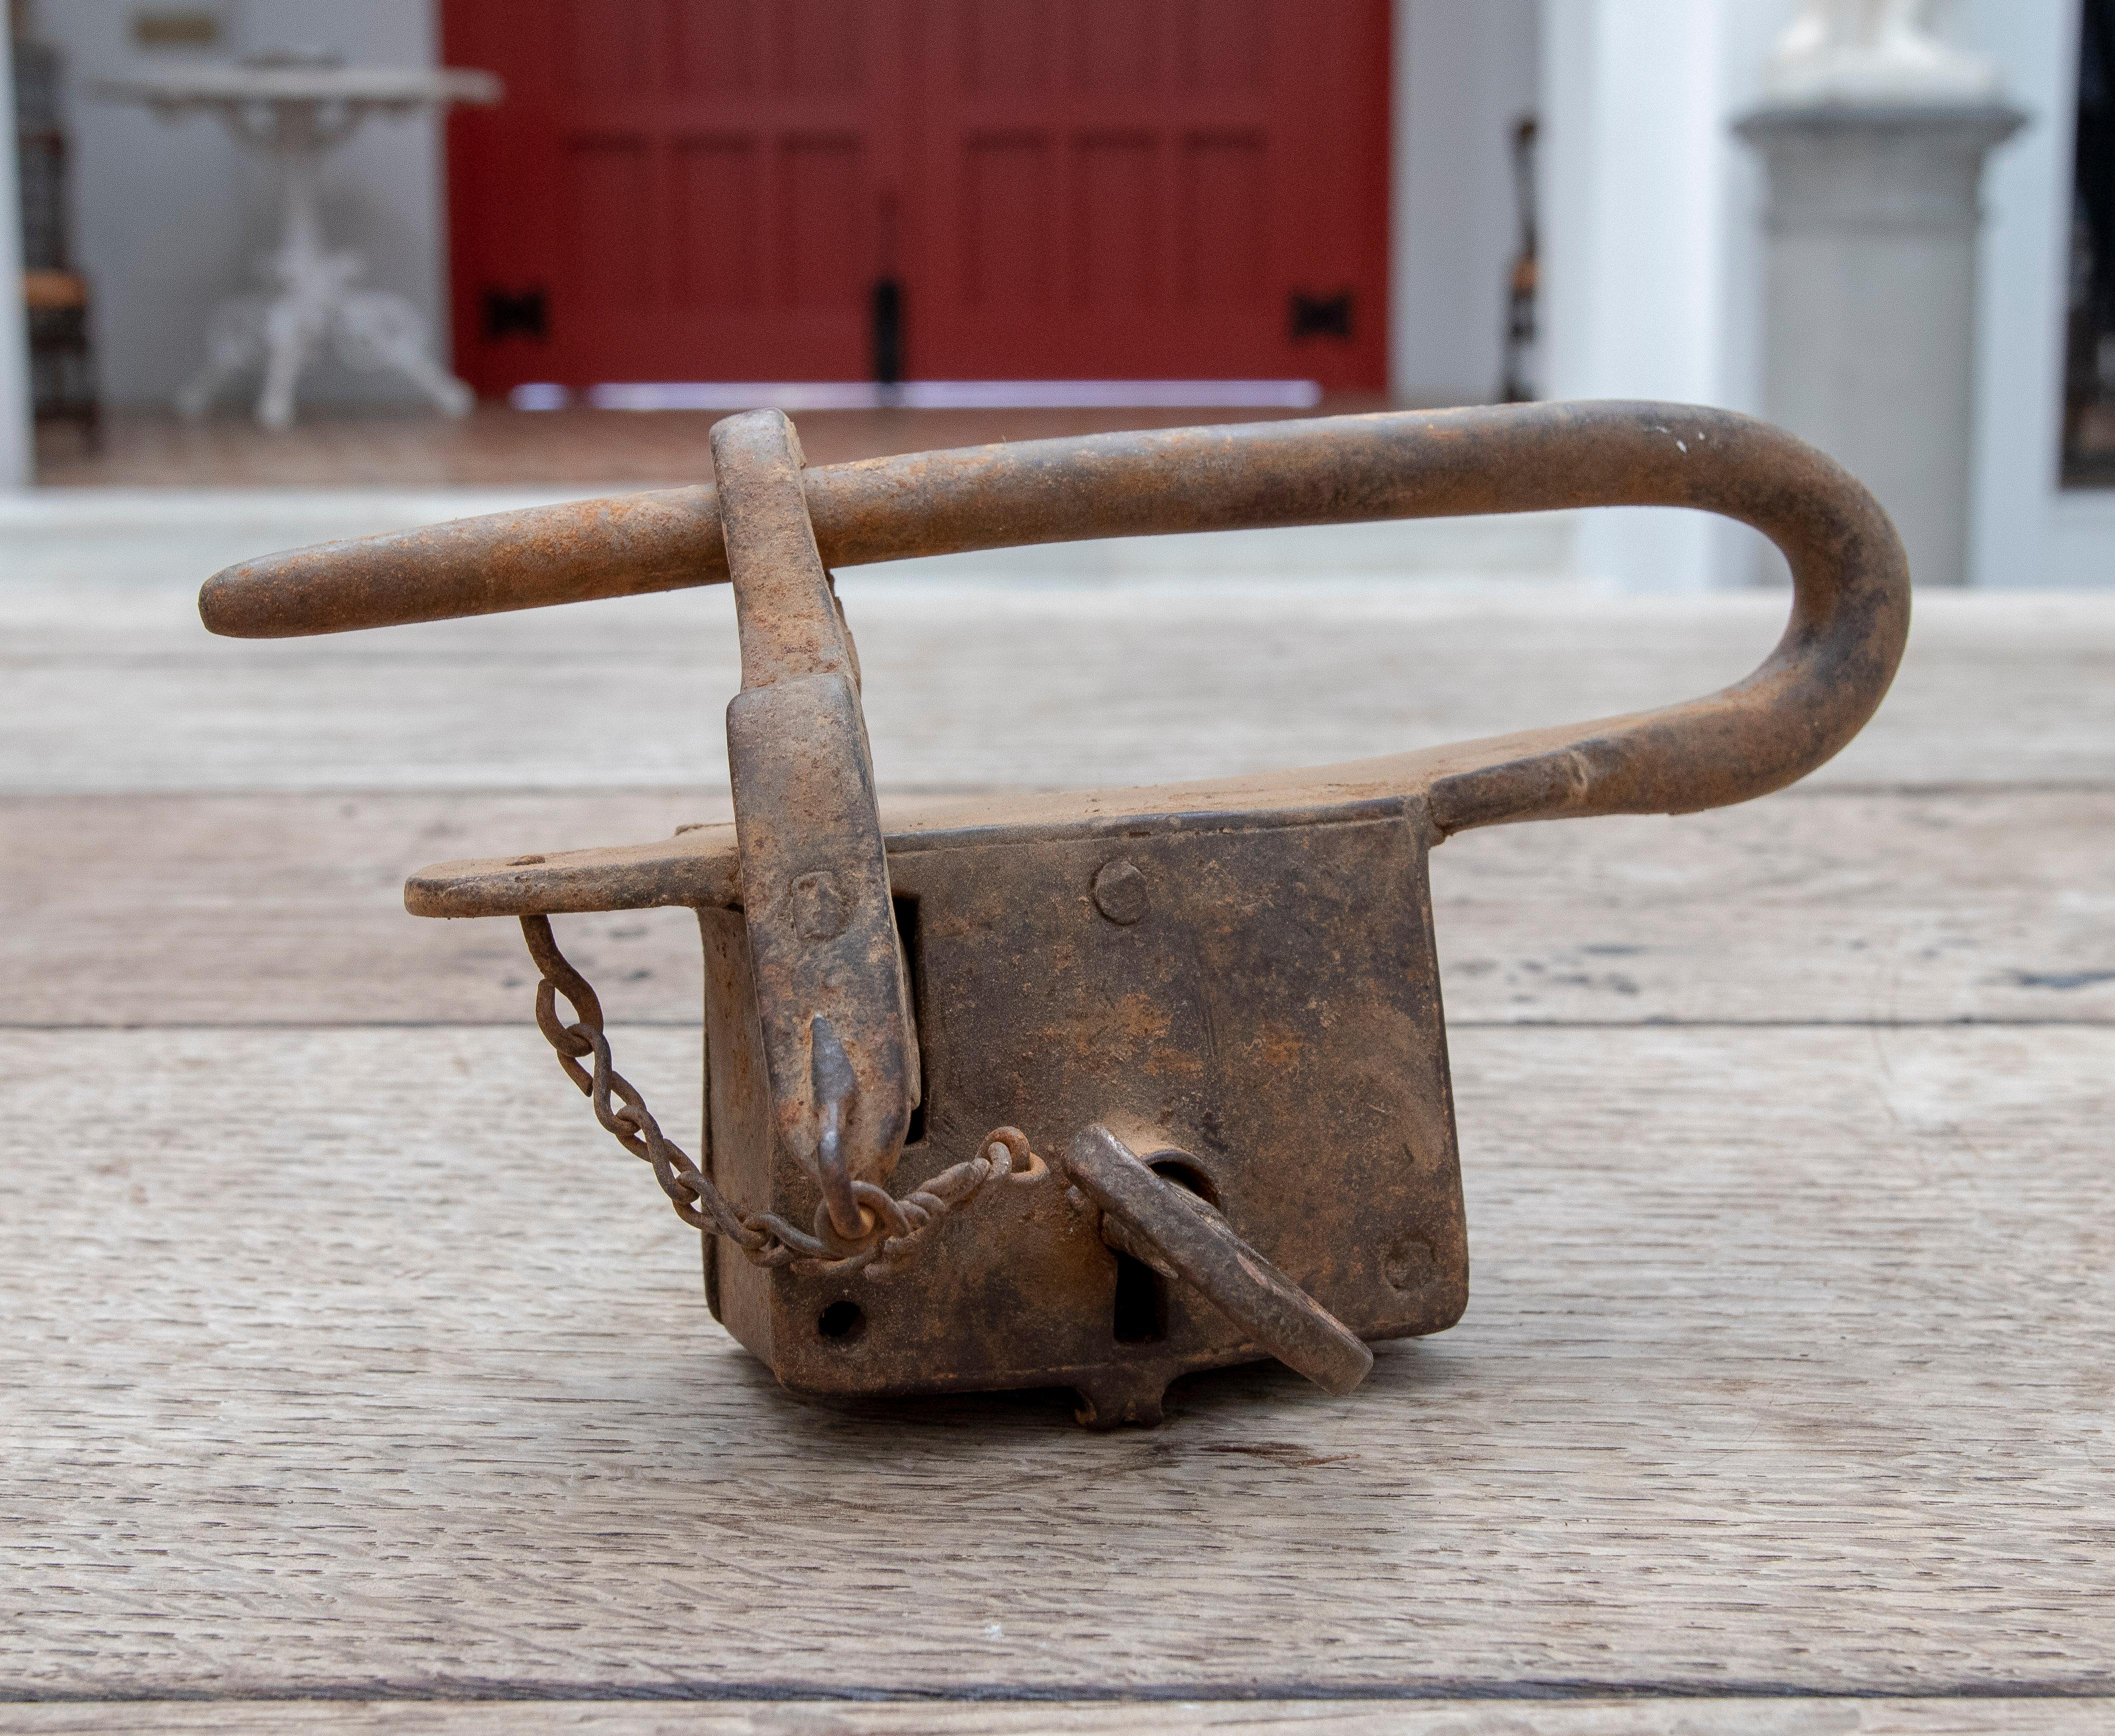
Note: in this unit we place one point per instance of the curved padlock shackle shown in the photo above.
(1850, 600)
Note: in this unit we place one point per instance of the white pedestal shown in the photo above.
(1869, 349)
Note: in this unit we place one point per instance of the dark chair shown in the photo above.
(61, 363)
(54, 295)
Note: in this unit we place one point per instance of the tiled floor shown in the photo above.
(497, 445)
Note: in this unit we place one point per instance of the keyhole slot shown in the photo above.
(1188, 1177)
(1142, 1309)
(1140, 1315)
(909, 938)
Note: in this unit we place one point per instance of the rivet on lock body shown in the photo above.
(1091, 1089)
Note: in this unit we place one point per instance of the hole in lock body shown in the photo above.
(907, 936)
(1140, 1315)
(842, 1322)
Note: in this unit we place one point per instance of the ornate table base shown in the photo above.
(294, 108)
(315, 303)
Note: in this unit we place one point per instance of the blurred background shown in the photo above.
(918, 223)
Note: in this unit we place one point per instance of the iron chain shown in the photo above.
(893, 1227)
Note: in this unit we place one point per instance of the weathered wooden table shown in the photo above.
(345, 1364)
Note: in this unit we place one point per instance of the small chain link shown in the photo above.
(894, 1227)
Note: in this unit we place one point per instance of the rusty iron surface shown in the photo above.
(1271, 1009)
(1219, 1000)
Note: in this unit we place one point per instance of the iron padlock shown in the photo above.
(1091, 1090)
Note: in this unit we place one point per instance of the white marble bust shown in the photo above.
(1873, 51)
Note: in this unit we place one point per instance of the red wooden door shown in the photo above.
(1151, 189)
(710, 189)
(672, 189)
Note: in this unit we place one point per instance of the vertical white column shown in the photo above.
(1648, 241)
(1873, 295)
(2025, 254)
(17, 435)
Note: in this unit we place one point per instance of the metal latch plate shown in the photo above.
(1259, 989)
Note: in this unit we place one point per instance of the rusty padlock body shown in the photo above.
(1230, 985)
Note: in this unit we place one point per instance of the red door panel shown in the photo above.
(1138, 188)
(711, 189)
(673, 189)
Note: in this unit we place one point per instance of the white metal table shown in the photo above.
(294, 109)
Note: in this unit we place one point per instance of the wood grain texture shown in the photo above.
(1818, 1716)
(289, 909)
(115, 688)
(1825, 907)
(357, 1361)
(1819, 905)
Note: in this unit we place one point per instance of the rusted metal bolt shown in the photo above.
(1120, 893)
(1409, 1264)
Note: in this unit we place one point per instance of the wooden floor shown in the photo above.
(353, 1381)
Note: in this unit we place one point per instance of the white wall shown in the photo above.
(1464, 73)
(170, 216)
(17, 450)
